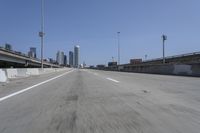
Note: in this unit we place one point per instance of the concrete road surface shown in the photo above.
(89, 101)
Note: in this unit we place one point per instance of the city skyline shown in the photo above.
(141, 24)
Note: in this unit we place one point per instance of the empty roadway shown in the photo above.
(90, 101)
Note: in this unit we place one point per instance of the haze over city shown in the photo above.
(93, 24)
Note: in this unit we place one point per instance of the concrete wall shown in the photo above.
(6, 74)
(169, 69)
(3, 77)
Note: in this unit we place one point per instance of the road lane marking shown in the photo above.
(112, 80)
(31, 87)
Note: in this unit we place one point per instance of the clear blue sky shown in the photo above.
(93, 25)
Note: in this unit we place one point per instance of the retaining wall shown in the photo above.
(169, 69)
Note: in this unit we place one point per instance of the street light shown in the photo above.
(118, 36)
(41, 33)
(164, 37)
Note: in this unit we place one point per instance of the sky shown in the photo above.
(93, 24)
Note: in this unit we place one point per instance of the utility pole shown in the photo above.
(164, 38)
(118, 37)
(41, 33)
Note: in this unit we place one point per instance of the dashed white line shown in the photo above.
(31, 87)
(112, 80)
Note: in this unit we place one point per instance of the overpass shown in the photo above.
(188, 58)
(19, 60)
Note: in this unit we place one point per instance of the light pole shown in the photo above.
(41, 33)
(118, 37)
(164, 37)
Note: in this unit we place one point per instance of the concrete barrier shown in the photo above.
(11, 73)
(6, 74)
(22, 72)
(32, 71)
(182, 69)
(169, 69)
(3, 77)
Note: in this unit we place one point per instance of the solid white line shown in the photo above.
(21, 91)
(113, 80)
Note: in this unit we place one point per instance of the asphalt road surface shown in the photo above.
(89, 101)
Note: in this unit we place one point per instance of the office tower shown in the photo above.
(76, 56)
(60, 58)
(32, 52)
(65, 60)
(71, 58)
(8, 47)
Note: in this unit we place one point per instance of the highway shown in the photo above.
(92, 101)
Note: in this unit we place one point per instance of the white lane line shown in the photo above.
(112, 80)
(26, 89)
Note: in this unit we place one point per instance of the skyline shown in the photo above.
(94, 27)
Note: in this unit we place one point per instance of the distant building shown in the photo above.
(32, 52)
(100, 66)
(111, 64)
(71, 62)
(76, 56)
(65, 60)
(91, 67)
(60, 58)
(52, 61)
(84, 64)
(135, 61)
(8, 47)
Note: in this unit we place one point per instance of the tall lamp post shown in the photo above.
(164, 38)
(118, 37)
(41, 33)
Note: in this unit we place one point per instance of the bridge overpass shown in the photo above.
(19, 60)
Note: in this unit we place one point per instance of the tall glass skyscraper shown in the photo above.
(60, 58)
(76, 56)
(71, 58)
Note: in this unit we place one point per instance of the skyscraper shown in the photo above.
(76, 56)
(32, 52)
(60, 58)
(8, 47)
(65, 60)
(71, 58)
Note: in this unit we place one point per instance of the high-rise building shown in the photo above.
(60, 58)
(32, 52)
(8, 47)
(76, 56)
(65, 60)
(71, 58)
